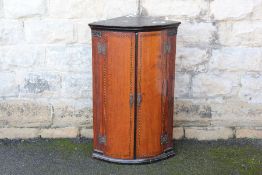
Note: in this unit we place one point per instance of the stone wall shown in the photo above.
(45, 66)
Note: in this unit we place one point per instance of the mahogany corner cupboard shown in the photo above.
(133, 88)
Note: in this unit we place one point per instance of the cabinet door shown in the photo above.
(99, 77)
(118, 89)
(169, 55)
(151, 86)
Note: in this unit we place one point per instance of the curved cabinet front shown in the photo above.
(133, 95)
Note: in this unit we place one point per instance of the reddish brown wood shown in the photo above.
(125, 67)
(113, 84)
(150, 82)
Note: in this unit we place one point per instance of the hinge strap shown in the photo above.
(131, 100)
(139, 99)
(101, 48)
(102, 139)
(172, 32)
(96, 33)
(167, 47)
(164, 139)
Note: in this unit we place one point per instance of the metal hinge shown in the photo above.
(139, 99)
(131, 100)
(102, 139)
(167, 47)
(101, 48)
(164, 139)
(96, 33)
(172, 32)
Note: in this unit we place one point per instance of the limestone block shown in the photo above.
(18, 133)
(11, 32)
(249, 133)
(208, 133)
(22, 56)
(178, 133)
(75, 58)
(69, 132)
(178, 8)
(236, 59)
(23, 9)
(1, 9)
(209, 85)
(191, 59)
(39, 84)
(182, 84)
(69, 116)
(77, 85)
(191, 34)
(234, 9)
(251, 88)
(240, 33)
(8, 85)
(49, 31)
(21, 113)
(89, 9)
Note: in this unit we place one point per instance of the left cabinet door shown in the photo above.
(113, 93)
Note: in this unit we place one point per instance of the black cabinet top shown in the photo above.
(135, 23)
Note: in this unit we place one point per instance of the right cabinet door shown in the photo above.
(155, 93)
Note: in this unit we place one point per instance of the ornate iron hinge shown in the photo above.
(96, 33)
(164, 139)
(139, 99)
(172, 32)
(167, 47)
(131, 100)
(102, 139)
(101, 48)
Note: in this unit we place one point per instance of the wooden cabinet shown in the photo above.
(133, 88)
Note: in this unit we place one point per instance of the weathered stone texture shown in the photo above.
(83, 32)
(91, 10)
(191, 59)
(233, 9)
(178, 133)
(196, 34)
(182, 84)
(69, 58)
(177, 8)
(209, 85)
(69, 132)
(208, 133)
(240, 33)
(64, 116)
(40, 84)
(25, 114)
(22, 56)
(46, 65)
(77, 85)
(18, 133)
(249, 133)
(237, 59)
(11, 32)
(86, 132)
(223, 113)
(24, 9)
(8, 86)
(1, 9)
(49, 31)
(251, 88)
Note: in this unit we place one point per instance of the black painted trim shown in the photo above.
(135, 105)
(163, 156)
(134, 29)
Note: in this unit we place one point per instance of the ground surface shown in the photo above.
(65, 156)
